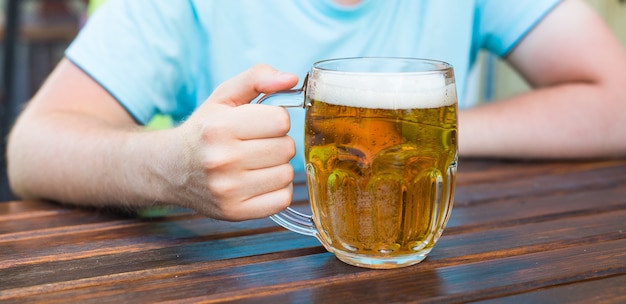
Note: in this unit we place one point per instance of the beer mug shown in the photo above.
(381, 157)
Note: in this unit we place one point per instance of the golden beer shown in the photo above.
(381, 165)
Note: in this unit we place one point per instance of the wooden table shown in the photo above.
(520, 232)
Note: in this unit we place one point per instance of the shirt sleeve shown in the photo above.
(502, 24)
(143, 54)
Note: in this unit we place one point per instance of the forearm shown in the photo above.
(574, 120)
(86, 161)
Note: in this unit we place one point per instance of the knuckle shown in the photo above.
(275, 118)
(229, 214)
(258, 68)
(256, 71)
(223, 202)
(290, 148)
(283, 199)
(213, 129)
(213, 161)
(221, 190)
(218, 157)
(288, 173)
(283, 121)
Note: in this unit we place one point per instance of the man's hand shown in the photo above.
(236, 158)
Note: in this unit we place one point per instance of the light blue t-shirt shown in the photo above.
(167, 56)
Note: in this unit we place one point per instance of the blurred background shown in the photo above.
(494, 79)
(34, 35)
(36, 32)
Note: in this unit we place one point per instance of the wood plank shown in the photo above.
(321, 278)
(531, 237)
(118, 236)
(48, 32)
(497, 213)
(512, 238)
(56, 221)
(454, 284)
(543, 185)
(487, 171)
(609, 290)
(136, 236)
(452, 250)
(18, 210)
(175, 231)
(137, 256)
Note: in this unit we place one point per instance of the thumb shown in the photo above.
(246, 86)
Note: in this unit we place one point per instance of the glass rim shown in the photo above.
(422, 65)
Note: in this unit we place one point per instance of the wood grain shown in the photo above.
(519, 232)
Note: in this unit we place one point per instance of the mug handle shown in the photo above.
(289, 218)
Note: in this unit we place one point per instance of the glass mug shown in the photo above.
(381, 157)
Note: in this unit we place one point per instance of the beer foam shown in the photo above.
(383, 90)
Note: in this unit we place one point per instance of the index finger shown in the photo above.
(246, 86)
